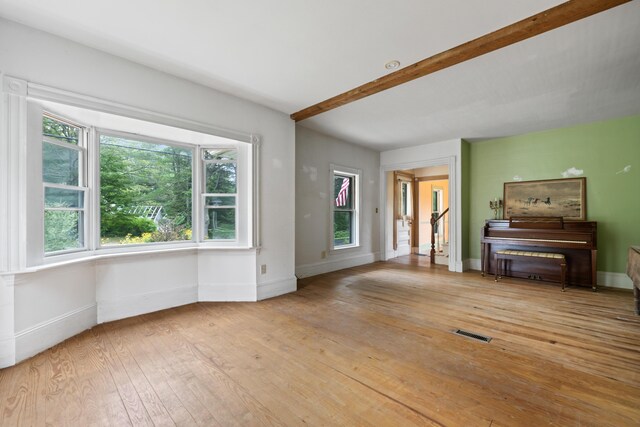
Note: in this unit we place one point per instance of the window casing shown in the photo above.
(64, 177)
(220, 193)
(345, 204)
(146, 189)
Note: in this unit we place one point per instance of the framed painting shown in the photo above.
(550, 197)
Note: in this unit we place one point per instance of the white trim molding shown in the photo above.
(47, 93)
(605, 278)
(275, 288)
(614, 280)
(44, 335)
(7, 321)
(308, 270)
(472, 264)
(134, 305)
(227, 292)
(13, 174)
(7, 351)
(455, 204)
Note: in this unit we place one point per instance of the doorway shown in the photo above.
(446, 168)
(433, 202)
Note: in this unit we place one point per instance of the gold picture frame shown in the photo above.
(564, 198)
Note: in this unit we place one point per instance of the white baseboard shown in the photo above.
(42, 336)
(605, 278)
(134, 305)
(274, 288)
(614, 280)
(403, 250)
(227, 292)
(308, 270)
(472, 264)
(7, 352)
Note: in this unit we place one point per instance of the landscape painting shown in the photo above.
(551, 197)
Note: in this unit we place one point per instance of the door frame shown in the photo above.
(416, 204)
(455, 243)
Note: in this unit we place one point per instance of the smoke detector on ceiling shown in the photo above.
(392, 65)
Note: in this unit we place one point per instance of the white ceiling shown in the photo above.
(289, 54)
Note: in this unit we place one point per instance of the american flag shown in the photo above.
(341, 200)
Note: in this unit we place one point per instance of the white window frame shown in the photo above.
(151, 140)
(204, 194)
(82, 186)
(356, 174)
(28, 101)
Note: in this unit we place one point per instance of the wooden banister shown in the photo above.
(433, 235)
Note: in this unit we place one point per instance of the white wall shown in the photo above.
(427, 155)
(315, 153)
(117, 286)
(431, 171)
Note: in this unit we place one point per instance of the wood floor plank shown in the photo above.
(101, 401)
(228, 402)
(136, 410)
(371, 346)
(152, 403)
(176, 373)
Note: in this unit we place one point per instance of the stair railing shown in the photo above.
(433, 221)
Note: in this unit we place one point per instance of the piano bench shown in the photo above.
(502, 256)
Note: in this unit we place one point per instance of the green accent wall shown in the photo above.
(602, 150)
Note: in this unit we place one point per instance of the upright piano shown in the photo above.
(575, 239)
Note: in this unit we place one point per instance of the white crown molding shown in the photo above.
(47, 93)
(14, 86)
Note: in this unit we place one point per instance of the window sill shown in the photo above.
(344, 248)
(100, 254)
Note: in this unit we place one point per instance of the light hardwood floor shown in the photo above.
(364, 346)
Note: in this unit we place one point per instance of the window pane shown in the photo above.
(145, 191)
(62, 198)
(220, 224)
(342, 228)
(220, 178)
(404, 208)
(63, 230)
(343, 191)
(220, 201)
(220, 154)
(60, 165)
(61, 131)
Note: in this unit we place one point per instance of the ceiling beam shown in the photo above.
(550, 19)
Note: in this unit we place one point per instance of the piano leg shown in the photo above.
(484, 255)
(594, 270)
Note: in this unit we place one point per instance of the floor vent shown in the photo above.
(472, 335)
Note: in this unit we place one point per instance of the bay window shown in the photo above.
(114, 182)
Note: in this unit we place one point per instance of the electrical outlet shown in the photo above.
(263, 269)
(323, 254)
